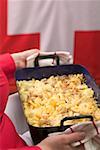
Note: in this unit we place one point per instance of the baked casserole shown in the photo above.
(47, 101)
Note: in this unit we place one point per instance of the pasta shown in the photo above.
(47, 101)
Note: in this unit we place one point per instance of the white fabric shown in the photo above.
(55, 20)
(90, 132)
(15, 112)
(27, 138)
(65, 58)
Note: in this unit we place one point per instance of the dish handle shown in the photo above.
(75, 117)
(51, 56)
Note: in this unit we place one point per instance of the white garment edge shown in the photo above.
(65, 58)
(27, 138)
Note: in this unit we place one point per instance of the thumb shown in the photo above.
(28, 53)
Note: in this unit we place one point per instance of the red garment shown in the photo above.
(9, 139)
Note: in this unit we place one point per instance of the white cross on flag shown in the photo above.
(53, 25)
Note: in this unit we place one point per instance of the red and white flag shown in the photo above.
(52, 25)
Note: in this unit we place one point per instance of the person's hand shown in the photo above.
(20, 58)
(97, 139)
(62, 142)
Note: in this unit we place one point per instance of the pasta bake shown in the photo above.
(47, 101)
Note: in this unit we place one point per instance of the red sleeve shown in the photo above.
(7, 69)
(4, 91)
(7, 65)
(26, 148)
